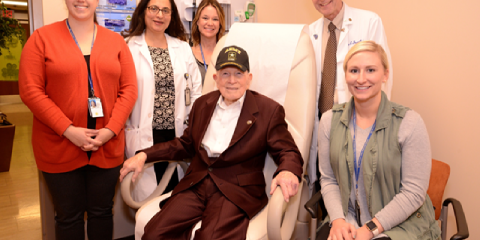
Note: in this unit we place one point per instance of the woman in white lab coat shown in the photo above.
(168, 83)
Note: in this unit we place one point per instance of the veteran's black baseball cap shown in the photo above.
(233, 56)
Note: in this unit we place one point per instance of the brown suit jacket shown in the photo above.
(238, 171)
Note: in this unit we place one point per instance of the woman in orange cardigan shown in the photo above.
(80, 149)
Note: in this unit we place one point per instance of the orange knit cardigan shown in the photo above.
(53, 82)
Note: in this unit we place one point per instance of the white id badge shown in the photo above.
(95, 107)
(187, 96)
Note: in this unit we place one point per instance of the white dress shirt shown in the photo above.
(221, 127)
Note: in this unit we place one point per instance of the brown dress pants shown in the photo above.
(221, 219)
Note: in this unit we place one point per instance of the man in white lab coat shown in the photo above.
(352, 26)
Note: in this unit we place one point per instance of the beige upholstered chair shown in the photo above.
(278, 220)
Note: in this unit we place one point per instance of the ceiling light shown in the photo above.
(15, 3)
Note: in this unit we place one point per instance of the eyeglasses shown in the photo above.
(154, 10)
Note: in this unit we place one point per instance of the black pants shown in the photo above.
(324, 231)
(160, 136)
(87, 189)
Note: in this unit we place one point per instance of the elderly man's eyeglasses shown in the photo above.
(154, 10)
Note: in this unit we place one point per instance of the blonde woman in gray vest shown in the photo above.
(374, 159)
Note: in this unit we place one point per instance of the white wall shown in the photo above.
(53, 11)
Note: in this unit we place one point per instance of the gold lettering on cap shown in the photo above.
(232, 49)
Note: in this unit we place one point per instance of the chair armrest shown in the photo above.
(126, 189)
(312, 203)
(276, 210)
(462, 227)
(282, 216)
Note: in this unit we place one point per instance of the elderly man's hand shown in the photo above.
(134, 164)
(288, 182)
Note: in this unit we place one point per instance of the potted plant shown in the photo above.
(7, 134)
(10, 30)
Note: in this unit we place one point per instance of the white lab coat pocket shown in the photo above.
(132, 141)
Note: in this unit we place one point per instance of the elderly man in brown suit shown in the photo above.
(229, 134)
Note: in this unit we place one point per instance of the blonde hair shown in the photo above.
(221, 18)
(366, 46)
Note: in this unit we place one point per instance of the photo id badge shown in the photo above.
(187, 96)
(95, 107)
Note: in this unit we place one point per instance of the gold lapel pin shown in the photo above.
(249, 122)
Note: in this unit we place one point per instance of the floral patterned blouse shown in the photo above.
(164, 105)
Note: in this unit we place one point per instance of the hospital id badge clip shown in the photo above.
(187, 91)
(187, 96)
(95, 107)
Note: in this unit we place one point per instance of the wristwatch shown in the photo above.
(372, 227)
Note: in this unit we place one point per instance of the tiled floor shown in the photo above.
(19, 198)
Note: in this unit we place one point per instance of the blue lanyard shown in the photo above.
(93, 39)
(203, 58)
(357, 167)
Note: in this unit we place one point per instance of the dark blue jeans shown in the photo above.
(87, 189)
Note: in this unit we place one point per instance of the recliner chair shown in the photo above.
(278, 220)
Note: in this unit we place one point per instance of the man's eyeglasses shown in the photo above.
(154, 10)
